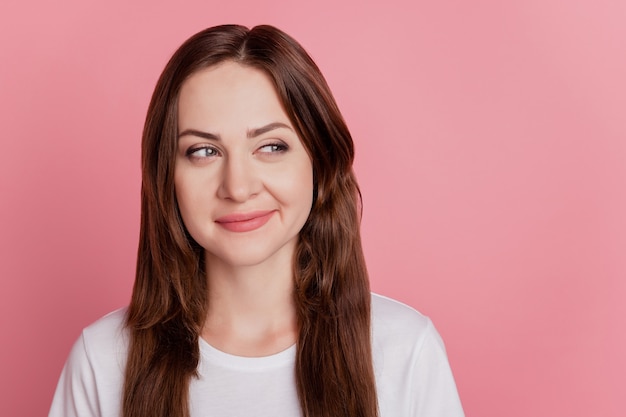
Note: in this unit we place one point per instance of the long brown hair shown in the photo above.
(334, 372)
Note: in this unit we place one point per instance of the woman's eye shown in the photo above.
(273, 148)
(202, 152)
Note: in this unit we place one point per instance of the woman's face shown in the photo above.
(244, 181)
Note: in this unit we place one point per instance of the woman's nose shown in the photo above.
(239, 181)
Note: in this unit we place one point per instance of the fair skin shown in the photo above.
(244, 186)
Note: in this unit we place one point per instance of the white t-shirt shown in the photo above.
(413, 377)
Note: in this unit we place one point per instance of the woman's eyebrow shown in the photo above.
(252, 133)
(264, 129)
(199, 133)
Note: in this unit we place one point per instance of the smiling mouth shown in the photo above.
(244, 222)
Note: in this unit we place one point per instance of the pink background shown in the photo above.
(491, 150)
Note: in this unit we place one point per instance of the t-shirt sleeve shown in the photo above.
(76, 393)
(434, 390)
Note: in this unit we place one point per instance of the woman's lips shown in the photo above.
(244, 222)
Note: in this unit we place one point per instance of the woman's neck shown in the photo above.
(251, 309)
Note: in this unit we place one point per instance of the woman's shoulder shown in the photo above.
(399, 328)
(389, 315)
(109, 327)
(92, 378)
(410, 362)
(105, 341)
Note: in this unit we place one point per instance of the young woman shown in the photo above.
(251, 295)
